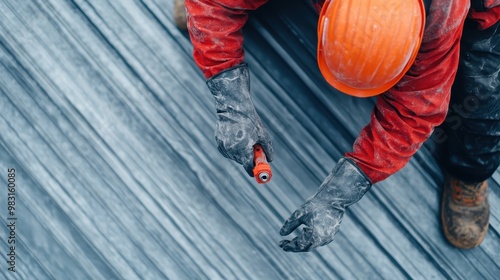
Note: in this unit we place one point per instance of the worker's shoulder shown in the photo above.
(445, 16)
(239, 4)
(487, 4)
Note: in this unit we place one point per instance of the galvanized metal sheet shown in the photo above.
(109, 126)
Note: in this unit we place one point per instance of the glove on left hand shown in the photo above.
(322, 213)
(238, 126)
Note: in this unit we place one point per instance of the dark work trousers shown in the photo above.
(472, 126)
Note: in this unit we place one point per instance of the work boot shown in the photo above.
(465, 212)
(180, 14)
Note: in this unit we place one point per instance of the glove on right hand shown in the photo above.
(322, 213)
(238, 126)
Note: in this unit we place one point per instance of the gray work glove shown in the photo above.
(238, 126)
(322, 213)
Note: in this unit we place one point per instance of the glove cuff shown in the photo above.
(234, 78)
(231, 90)
(348, 164)
(345, 185)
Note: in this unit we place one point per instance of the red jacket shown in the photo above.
(404, 117)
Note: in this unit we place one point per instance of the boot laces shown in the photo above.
(467, 194)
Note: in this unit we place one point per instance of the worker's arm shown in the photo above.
(406, 115)
(215, 30)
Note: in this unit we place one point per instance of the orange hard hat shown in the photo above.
(365, 47)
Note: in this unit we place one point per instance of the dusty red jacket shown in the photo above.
(404, 117)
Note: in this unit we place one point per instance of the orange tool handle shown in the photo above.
(262, 170)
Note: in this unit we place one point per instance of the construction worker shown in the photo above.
(407, 53)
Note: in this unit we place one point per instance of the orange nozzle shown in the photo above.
(262, 170)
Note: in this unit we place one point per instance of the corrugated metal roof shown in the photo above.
(109, 125)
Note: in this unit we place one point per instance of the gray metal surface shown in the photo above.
(109, 125)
